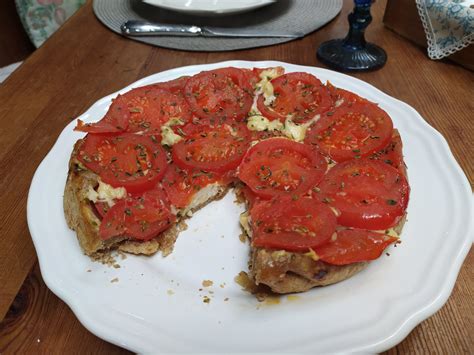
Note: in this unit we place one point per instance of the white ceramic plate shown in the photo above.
(210, 7)
(156, 305)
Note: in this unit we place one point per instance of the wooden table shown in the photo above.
(85, 61)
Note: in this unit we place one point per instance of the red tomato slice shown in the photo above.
(151, 108)
(133, 161)
(279, 166)
(369, 194)
(115, 120)
(248, 195)
(217, 149)
(351, 132)
(140, 217)
(144, 109)
(220, 96)
(292, 225)
(299, 95)
(175, 86)
(341, 97)
(353, 246)
(392, 154)
(102, 208)
(181, 185)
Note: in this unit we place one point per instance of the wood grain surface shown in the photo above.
(84, 61)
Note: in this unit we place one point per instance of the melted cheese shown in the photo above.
(268, 94)
(260, 123)
(168, 137)
(296, 131)
(106, 193)
(312, 254)
(265, 77)
(265, 87)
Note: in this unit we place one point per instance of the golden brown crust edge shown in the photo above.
(79, 215)
(81, 218)
(287, 272)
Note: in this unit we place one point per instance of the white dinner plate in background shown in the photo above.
(209, 7)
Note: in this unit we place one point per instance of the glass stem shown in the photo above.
(359, 19)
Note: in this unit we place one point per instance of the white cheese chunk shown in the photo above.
(265, 77)
(168, 137)
(268, 94)
(265, 87)
(296, 131)
(260, 123)
(106, 193)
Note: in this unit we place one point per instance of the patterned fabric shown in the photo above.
(449, 25)
(41, 18)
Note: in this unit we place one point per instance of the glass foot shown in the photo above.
(342, 57)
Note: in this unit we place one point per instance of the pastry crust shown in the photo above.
(282, 271)
(287, 272)
(80, 216)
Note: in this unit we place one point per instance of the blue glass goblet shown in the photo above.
(353, 53)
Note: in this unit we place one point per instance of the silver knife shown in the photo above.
(144, 28)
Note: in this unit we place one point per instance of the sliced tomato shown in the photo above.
(144, 109)
(279, 166)
(181, 185)
(292, 225)
(217, 149)
(149, 110)
(353, 246)
(341, 97)
(369, 194)
(351, 132)
(220, 96)
(102, 208)
(299, 95)
(248, 195)
(133, 161)
(175, 86)
(115, 120)
(392, 154)
(141, 217)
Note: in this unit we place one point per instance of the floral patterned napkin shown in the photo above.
(449, 25)
(41, 18)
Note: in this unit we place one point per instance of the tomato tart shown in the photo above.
(320, 170)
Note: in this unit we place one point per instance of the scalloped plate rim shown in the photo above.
(406, 324)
